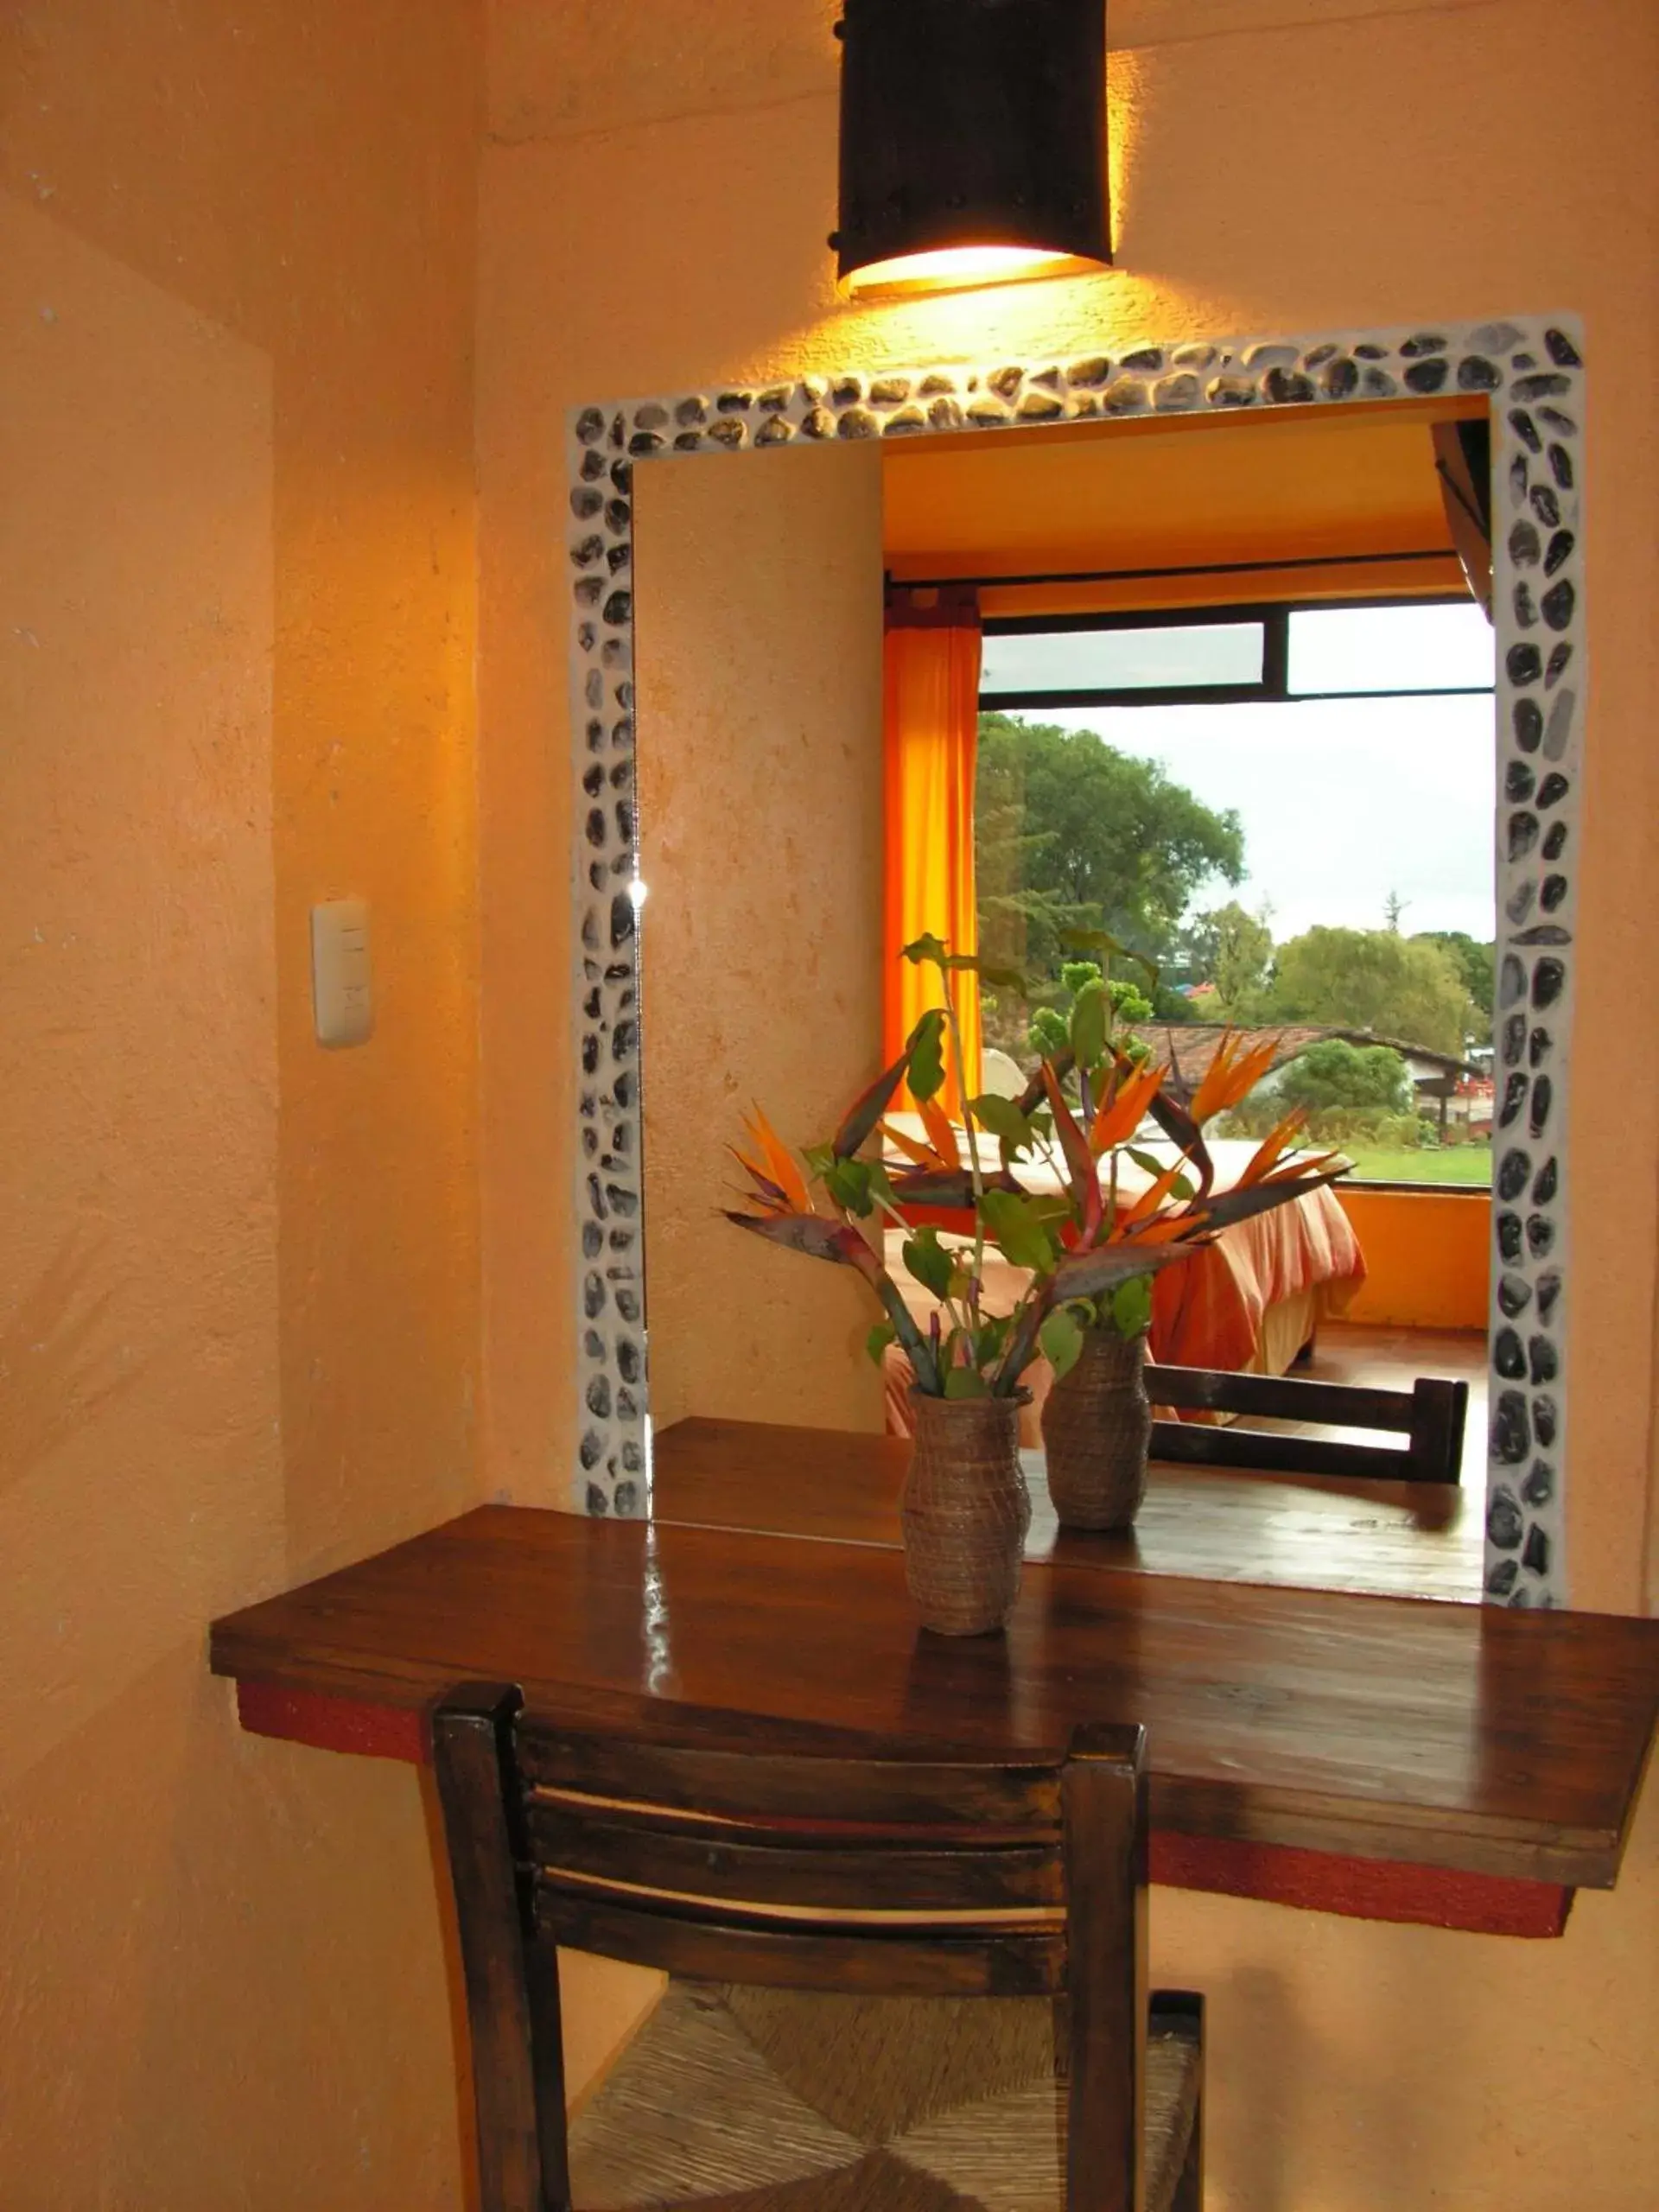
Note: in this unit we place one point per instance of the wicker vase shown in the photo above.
(965, 1510)
(1097, 1425)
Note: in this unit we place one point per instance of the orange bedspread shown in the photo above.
(1207, 1311)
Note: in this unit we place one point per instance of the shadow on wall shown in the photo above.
(60, 1368)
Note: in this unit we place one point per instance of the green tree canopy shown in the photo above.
(1335, 1073)
(1072, 834)
(1403, 988)
(1477, 963)
(1233, 950)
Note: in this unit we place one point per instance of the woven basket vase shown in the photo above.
(1097, 1427)
(965, 1511)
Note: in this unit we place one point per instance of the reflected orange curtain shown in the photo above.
(931, 742)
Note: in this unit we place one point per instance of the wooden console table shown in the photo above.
(1387, 1757)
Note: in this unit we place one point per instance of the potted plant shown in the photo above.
(965, 1507)
(1096, 1419)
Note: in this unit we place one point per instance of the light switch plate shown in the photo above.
(342, 984)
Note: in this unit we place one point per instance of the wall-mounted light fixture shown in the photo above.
(973, 142)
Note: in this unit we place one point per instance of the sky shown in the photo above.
(1342, 802)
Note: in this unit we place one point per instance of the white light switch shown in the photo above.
(341, 984)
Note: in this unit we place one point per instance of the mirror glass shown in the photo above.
(1231, 699)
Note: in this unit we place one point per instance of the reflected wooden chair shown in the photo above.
(901, 1983)
(1430, 1416)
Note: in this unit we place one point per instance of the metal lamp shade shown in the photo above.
(973, 142)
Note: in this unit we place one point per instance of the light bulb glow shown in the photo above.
(637, 891)
(955, 267)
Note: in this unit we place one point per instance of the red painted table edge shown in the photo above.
(1308, 1881)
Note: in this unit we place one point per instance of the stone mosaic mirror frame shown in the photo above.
(1531, 368)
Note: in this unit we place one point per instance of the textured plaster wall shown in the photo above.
(758, 600)
(238, 1276)
(655, 190)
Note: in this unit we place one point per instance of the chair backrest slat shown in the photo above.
(1278, 1397)
(734, 1948)
(1431, 1416)
(764, 1867)
(755, 1785)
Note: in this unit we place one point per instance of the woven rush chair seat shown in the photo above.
(772, 2100)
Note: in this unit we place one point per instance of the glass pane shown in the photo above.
(1317, 873)
(1404, 648)
(1122, 660)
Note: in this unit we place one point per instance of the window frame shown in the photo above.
(1272, 689)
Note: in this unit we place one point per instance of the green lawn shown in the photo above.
(1457, 1163)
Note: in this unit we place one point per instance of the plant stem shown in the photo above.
(957, 1320)
(1022, 1343)
(917, 1350)
(975, 1176)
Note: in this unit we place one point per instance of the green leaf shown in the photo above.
(989, 1339)
(1132, 1306)
(1020, 1228)
(929, 1261)
(1149, 1164)
(1001, 1117)
(818, 1157)
(1061, 1339)
(924, 1054)
(848, 1182)
(880, 1337)
(1090, 1021)
(964, 1382)
(926, 947)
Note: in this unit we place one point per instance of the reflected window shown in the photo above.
(1290, 816)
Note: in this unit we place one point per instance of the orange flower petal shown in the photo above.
(910, 1146)
(1167, 1232)
(780, 1162)
(1118, 1122)
(941, 1134)
(1151, 1199)
(1232, 1074)
(1266, 1153)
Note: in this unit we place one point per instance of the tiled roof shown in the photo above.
(1189, 1046)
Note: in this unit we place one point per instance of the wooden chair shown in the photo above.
(1430, 1416)
(801, 1859)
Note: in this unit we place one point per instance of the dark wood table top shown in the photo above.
(1399, 1540)
(1463, 1738)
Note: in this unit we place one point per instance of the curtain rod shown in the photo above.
(1202, 569)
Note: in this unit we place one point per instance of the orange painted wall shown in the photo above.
(238, 1276)
(1427, 1263)
(655, 190)
(759, 722)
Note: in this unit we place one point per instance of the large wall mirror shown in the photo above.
(1270, 663)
